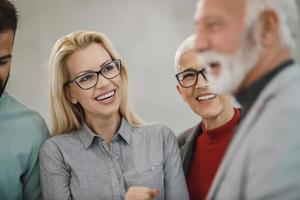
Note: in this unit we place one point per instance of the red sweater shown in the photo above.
(209, 151)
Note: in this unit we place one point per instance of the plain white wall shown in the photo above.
(145, 32)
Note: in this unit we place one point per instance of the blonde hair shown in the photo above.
(67, 117)
(187, 45)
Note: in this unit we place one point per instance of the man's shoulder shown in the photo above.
(277, 109)
(279, 91)
(285, 84)
(24, 119)
(287, 77)
(12, 106)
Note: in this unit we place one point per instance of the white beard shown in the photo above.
(233, 67)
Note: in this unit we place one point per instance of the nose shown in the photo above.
(201, 82)
(102, 82)
(201, 41)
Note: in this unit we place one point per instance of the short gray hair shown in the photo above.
(187, 45)
(287, 13)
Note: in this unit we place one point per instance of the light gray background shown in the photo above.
(145, 32)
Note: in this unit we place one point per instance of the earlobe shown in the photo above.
(70, 97)
(179, 90)
(74, 101)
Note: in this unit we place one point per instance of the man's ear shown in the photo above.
(70, 97)
(269, 26)
(179, 90)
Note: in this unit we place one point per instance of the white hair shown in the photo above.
(187, 45)
(287, 14)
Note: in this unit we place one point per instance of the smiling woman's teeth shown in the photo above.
(106, 96)
(202, 98)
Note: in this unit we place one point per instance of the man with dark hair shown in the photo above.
(22, 130)
(8, 26)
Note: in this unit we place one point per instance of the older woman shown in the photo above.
(100, 149)
(204, 145)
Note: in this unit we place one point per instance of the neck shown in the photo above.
(219, 120)
(267, 62)
(105, 126)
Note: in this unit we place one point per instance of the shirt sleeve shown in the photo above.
(31, 179)
(55, 174)
(175, 185)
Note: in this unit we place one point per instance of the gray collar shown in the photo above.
(87, 136)
(125, 130)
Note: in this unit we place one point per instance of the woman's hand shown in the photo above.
(141, 193)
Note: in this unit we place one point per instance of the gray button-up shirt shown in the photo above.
(81, 165)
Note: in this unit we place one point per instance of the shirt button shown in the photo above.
(152, 168)
(116, 157)
(119, 176)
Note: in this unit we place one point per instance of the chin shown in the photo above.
(208, 113)
(111, 111)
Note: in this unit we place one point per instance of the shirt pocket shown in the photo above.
(151, 176)
(91, 183)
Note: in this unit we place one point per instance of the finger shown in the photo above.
(153, 193)
(141, 193)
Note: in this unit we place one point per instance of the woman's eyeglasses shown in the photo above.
(109, 70)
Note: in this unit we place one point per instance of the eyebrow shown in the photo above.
(193, 69)
(189, 69)
(88, 71)
(208, 18)
(6, 57)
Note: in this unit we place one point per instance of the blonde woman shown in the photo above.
(100, 149)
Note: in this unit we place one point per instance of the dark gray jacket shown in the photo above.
(187, 143)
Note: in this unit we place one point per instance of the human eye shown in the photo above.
(214, 24)
(108, 68)
(187, 75)
(3, 63)
(5, 60)
(85, 77)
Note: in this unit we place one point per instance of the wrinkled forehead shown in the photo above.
(219, 8)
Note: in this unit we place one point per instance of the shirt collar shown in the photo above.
(87, 135)
(125, 130)
(3, 97)
(247, 97)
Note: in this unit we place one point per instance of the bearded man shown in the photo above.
(247, 46)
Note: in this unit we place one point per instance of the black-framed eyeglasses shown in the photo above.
(188, 78)
(109, 70)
